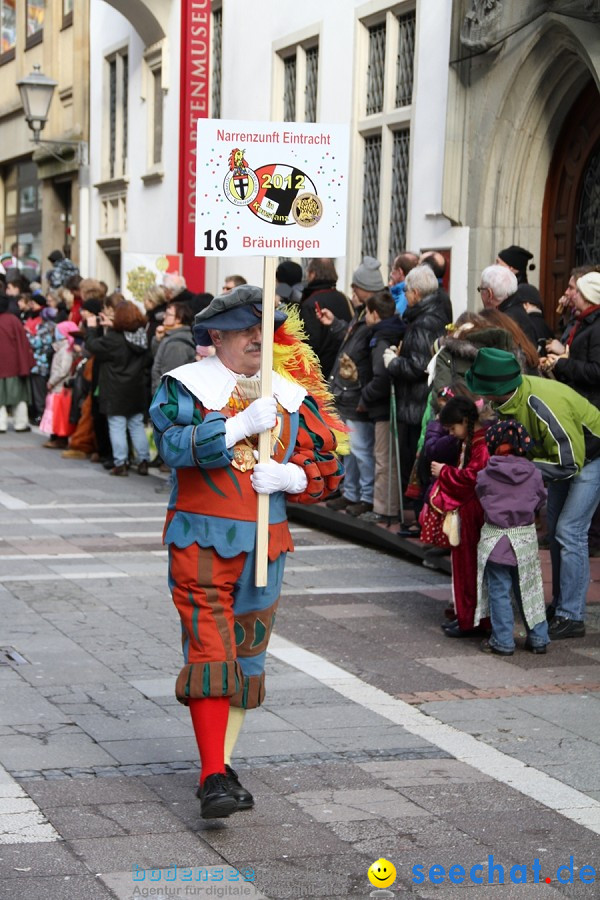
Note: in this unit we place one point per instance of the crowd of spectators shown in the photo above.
(408, 380)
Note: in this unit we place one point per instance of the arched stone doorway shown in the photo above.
(571, 215)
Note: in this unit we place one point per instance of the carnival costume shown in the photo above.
(210, 527)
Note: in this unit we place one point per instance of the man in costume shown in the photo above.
(207, 415)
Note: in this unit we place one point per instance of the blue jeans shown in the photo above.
(359, 465)
(118, 426)
(571, 506)
(500, 579)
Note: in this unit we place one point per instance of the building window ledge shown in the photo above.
(112, 185)
(34, 39)
(153, 176)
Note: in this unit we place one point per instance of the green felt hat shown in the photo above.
(494, 373)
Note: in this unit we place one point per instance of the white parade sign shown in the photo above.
(271, 188)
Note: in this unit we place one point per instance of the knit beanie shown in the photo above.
(368, 275)
(589, 287)
(517, 258)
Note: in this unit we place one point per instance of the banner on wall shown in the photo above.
(271, 188)
(194, 104)
(139, 271)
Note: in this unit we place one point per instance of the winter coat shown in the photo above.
(513, 307)
(564, 426)
(542, 331)
(41, 343)
(510, 490)
(16, 356)
(352, 367)
(425, 322)
(62, 364)
(457, 353)
(581, 369)
(177, 348)
(123, 360)
(61, 272)
(321, 338)
(375, 395)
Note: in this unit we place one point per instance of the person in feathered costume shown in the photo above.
(207, 416)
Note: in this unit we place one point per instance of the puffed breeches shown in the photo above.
(226, 623)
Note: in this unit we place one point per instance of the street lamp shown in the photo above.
(36, 91)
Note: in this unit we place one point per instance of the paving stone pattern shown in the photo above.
(93, 742)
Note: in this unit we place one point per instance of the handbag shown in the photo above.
(451, 527)
(432, 527)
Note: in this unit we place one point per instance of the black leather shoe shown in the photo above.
(216, 802)
(244, 798)
(486, 647)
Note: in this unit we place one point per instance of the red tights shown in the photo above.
(209, 718)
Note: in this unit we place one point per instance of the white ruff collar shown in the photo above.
(212, 384)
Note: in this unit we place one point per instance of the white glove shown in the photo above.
(267, 478)
(389, 355)
(260, 416)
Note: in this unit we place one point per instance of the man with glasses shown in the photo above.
(498, 289)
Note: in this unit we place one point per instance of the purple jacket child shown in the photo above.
(510, 490)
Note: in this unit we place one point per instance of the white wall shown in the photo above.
(151, 209)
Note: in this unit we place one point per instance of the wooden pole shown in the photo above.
(264, 439)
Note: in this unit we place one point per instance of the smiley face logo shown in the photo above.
(382, 873)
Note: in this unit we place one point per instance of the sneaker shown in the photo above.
(216, 801)
(357, 509)
(561, 627)
(22, 430)
(339, 503)
(120, 470)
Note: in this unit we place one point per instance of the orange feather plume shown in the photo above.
(294, 359)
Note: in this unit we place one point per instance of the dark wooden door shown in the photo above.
(570, 197)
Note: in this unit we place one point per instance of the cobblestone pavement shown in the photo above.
(379, 736)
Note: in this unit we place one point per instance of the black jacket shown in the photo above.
(322, 339)
(376, 393)
(352, 367)
(513, 307)
(581, 370)
(425, 322)
(123, 371)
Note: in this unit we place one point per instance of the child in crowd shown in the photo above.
(58, 402)
(510, 490)
(387, 329)
(455, 490)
